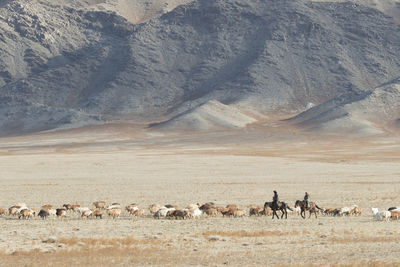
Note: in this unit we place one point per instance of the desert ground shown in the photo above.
(121, 163)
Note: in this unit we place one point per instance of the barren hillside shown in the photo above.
(83, 62)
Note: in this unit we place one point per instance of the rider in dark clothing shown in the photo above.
(306, 199)
(275, 199)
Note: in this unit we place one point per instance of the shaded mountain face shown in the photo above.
(62, 64)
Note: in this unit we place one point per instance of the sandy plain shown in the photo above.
(122, 164)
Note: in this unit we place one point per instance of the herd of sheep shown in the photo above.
(100, 208)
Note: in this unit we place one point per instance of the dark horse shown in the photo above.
(282, 206)
(312, 208)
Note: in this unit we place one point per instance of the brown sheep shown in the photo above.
(47, 207)
(267, 211)
(178, 214)
(131, 208)
(34, 211)
(329, 211)
(211, 212)
(222, 209)
(395, 214)
(3, 211)
(87, 214)
(357, 211)
(207, 205)
(13, 209)
(61, 212)
(239, 213)
(43, 213)
(100, 204)
(26, 214)
(257, 210)
(137, 213)
(114, 213)
(98, 213)
(153, 208)
(228, 213)
(232, 207)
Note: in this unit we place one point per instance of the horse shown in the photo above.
(312, 208)
(282, 206)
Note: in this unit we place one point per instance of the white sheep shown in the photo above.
(114, 206)
(81, 210)
(162, 212)
(381, 215)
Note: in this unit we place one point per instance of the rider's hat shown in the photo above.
(274, 191)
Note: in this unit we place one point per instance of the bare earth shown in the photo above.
(129, 166)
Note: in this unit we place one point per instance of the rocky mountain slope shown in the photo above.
(363, 113)
(75, 62)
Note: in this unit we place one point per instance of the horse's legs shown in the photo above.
(303, 213)
(274, 213)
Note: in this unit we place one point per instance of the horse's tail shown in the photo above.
(318, 207)
(287, 206)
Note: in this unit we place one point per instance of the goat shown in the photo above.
(381, 215)
(211, 211)
(394, 208)
(138, 212)
(297, 210)
(256, 210)
(99, 204)
(395, 214)
(178, 214)
(13, 209)
(25, 213)
(3, 211)
(114, 206)
(357, 211)
(207, 205)
(98, 213)
(131, 208)
(86, 213)
(153, 208)
(267, 211)
(61, 212)
(239, 213)
(231, 207)
(114, 213)
(81, 210)
(43, 213)
(47, 207)
(162, 212)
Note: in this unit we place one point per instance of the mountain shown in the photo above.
(212, 115)
(75, 62)
(365, 113)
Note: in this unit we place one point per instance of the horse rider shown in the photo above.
(275, 199)
(306, 196)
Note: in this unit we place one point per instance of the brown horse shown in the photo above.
(282, 206)
(312, 208)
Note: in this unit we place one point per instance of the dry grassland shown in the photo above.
(72, 168)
